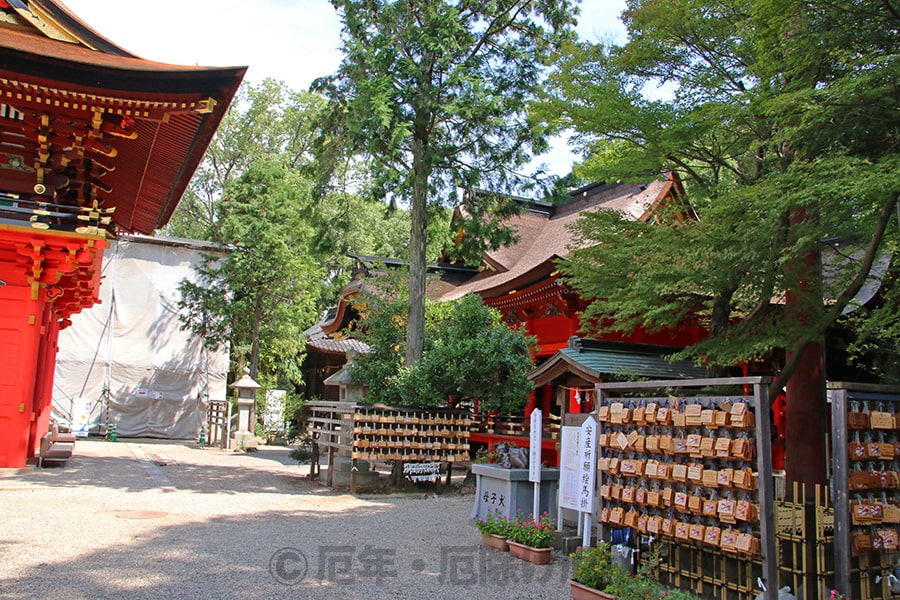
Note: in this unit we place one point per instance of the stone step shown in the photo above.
(570, 543)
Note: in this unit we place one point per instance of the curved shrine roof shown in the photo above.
(543, 236)
(89, 121)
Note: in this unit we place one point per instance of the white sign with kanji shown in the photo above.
(587, 456)
(569, 468)
(534, 451)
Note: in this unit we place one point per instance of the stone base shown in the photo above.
(562, 540)
(572, 542)
(342, 467)
(243, 440)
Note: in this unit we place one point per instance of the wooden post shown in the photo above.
(330, 481)
(314, 460)
(766, 486)
(353, 470)
(839, 444)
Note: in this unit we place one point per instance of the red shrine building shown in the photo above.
(94, 141)
(522, 282)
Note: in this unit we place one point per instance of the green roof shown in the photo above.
(597, 364)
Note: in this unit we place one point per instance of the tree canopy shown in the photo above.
(262, 295)
(782, 118)
(264, 121)
(469, 354)
(433, 94)
(256, 194)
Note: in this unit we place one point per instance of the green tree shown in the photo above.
(241, 197)
(264, 121)
(432, 93)
(469, 355)
(782, 119)
(347, 222)
(474, 357)
(262, 296)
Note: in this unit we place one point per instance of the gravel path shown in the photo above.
(153, 519)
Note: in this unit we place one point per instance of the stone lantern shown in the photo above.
(349, 390)
(244, 438)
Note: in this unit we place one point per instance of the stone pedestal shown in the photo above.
(342, 467)
(508, 491)
(244, 438)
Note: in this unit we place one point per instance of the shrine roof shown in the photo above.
(133, 130)
(325, 342)
(594, 361)
(544, 235)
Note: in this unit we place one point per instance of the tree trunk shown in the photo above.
(718, 326)
(415, 333)
(254, 343)
(806, 404)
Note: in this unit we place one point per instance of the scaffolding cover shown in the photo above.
(158, 377)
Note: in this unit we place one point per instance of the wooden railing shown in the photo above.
(514, 425)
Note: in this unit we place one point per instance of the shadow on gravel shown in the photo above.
(399, 548)
(266, 471)
(407, 547)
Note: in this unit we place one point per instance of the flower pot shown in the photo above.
(492, 540)
(583, 592)
(538, 556)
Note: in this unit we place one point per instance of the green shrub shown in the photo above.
(594, 567)
(493, 523)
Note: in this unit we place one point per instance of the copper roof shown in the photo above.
(97, 123)
(595, 361)
(543, 236)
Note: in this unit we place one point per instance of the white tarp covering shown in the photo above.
(130, 343)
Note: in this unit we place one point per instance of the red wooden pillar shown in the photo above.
(46, 277)
(19, 345)
(531, 404)
(43, 393)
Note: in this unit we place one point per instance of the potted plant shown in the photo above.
(597, 576)
(494, 529)
(530, 539)
(594, 572)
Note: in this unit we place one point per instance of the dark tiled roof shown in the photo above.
(544, 236)
(323, 342)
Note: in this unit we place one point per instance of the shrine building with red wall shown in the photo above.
(94, 141)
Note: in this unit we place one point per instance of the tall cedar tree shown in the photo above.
(260, 166)
(261, 296)
(433, 93)
(782, 118)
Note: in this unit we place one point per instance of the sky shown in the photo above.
(294, 41)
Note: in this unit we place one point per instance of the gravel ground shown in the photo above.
(152, 519)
